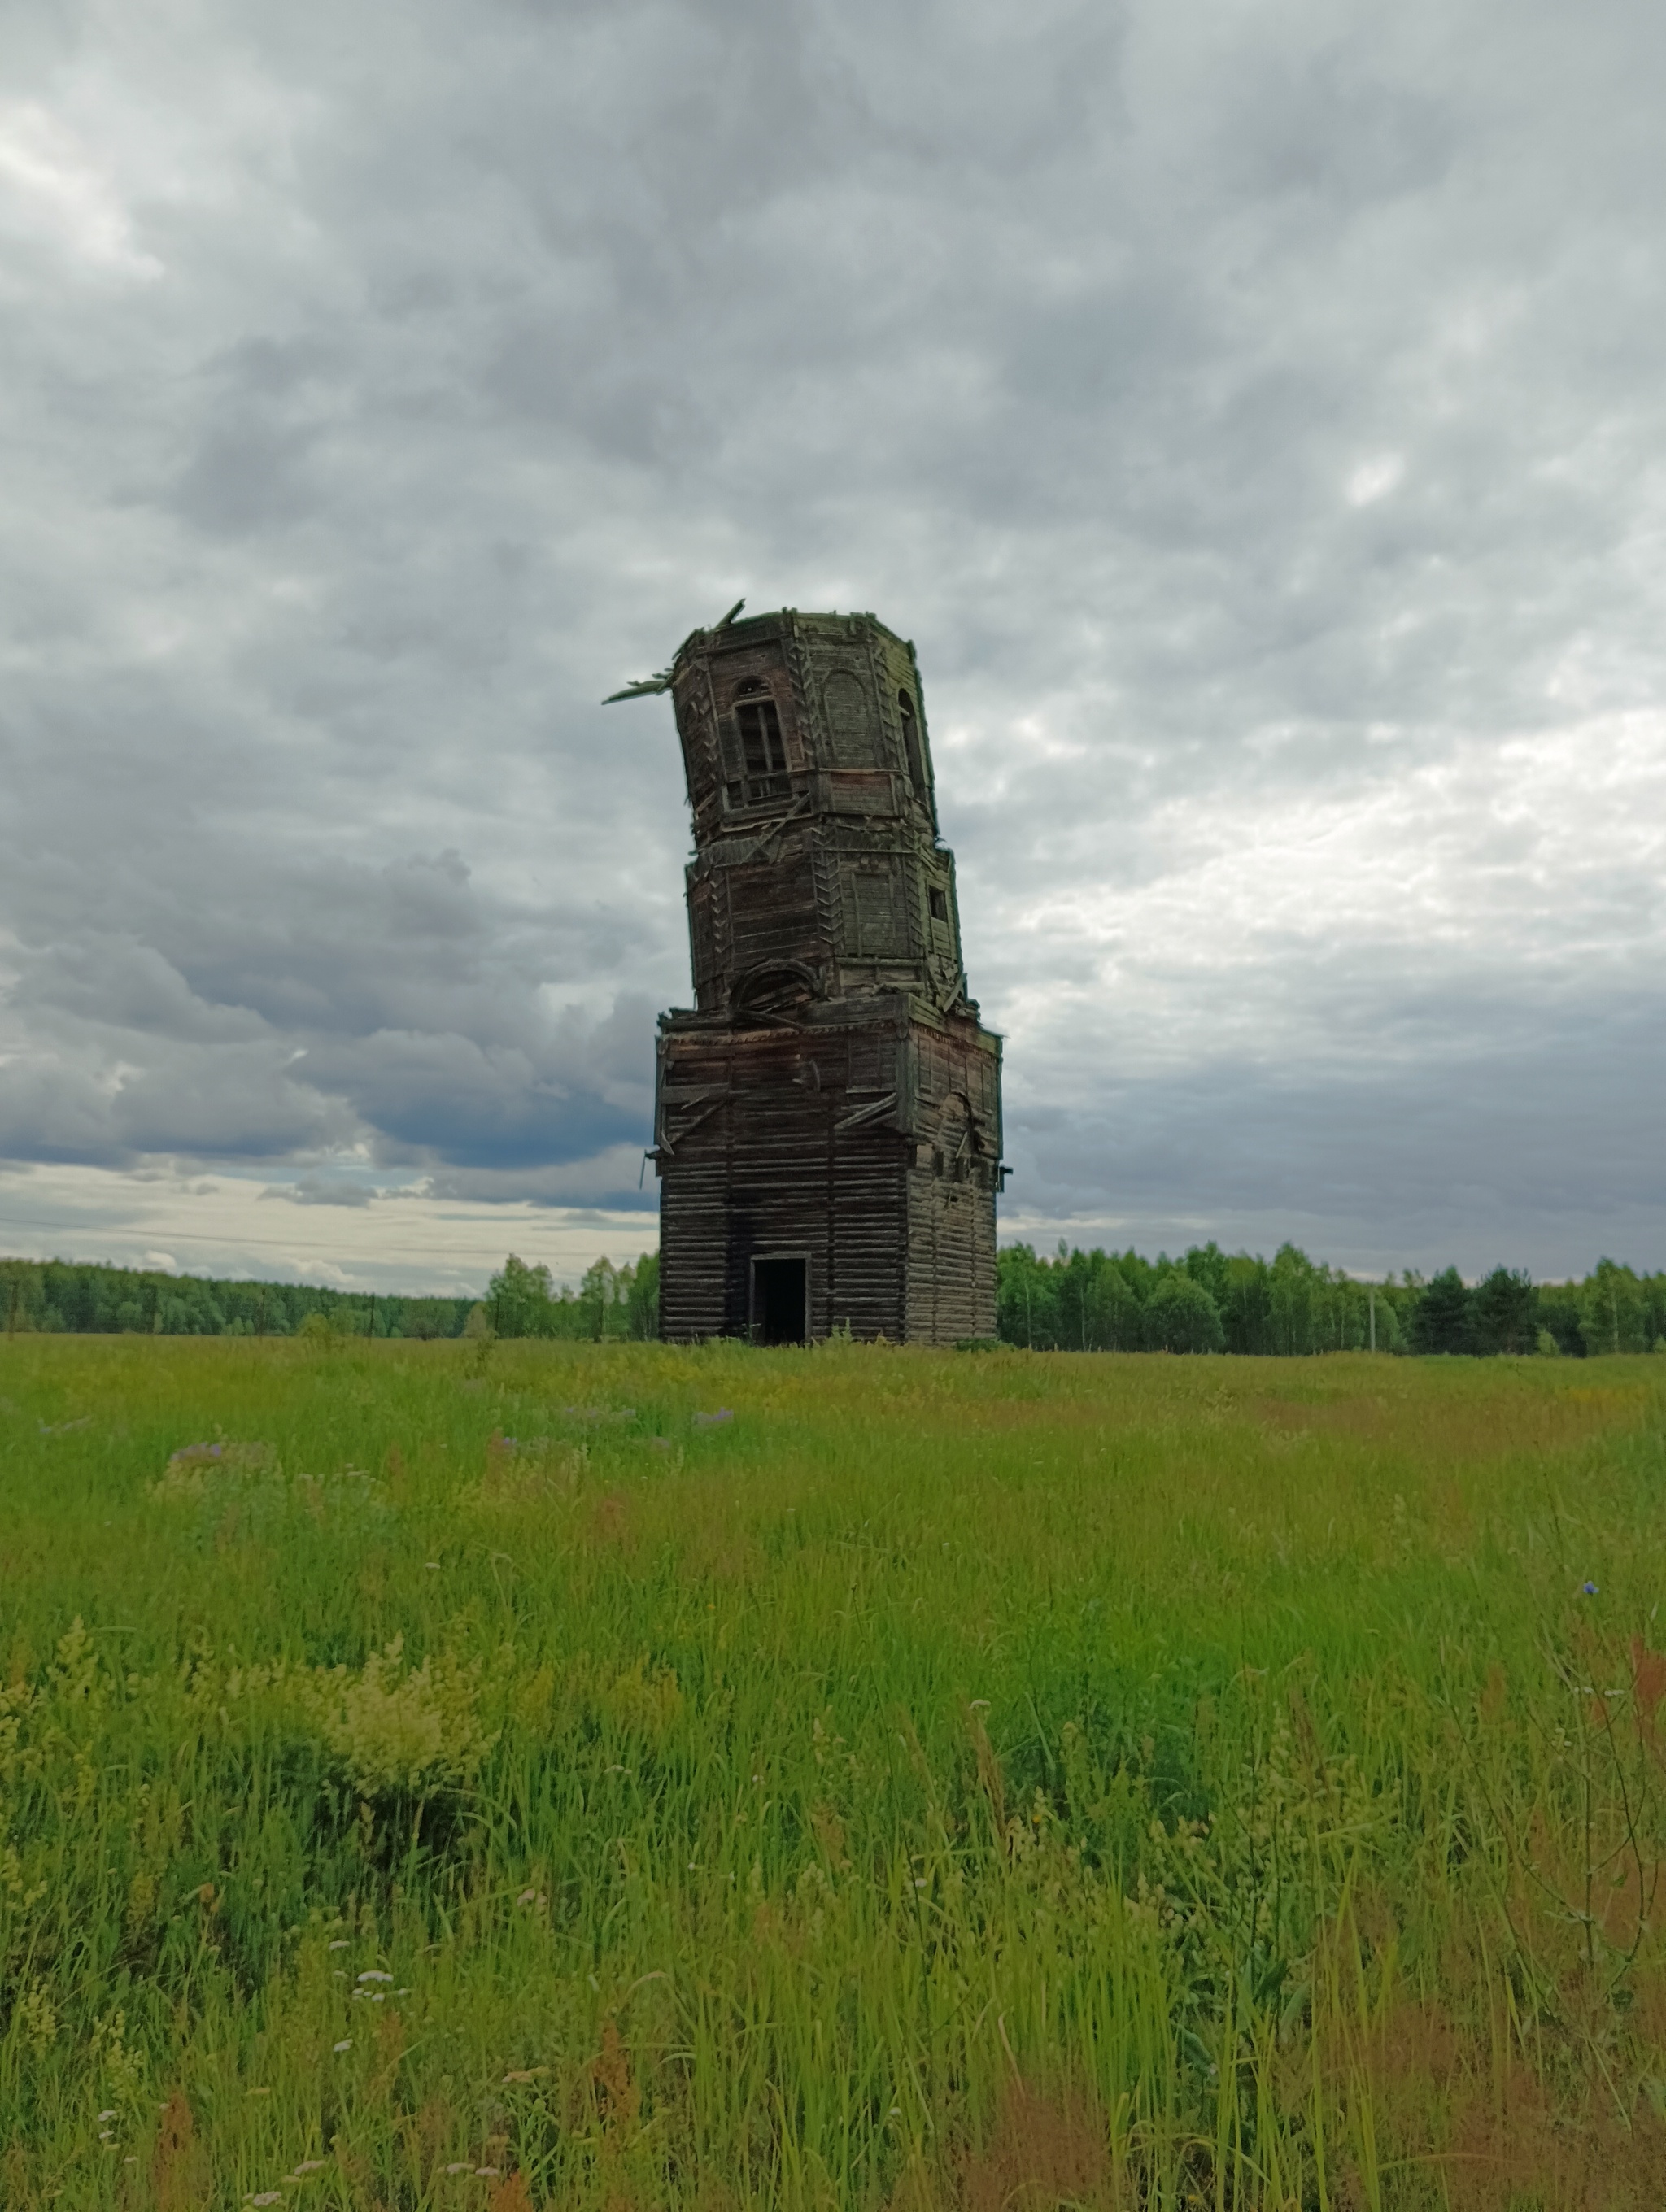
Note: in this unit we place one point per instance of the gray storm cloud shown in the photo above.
(1253, 419)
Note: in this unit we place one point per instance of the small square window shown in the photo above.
(939, 905)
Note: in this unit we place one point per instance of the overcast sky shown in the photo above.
(1253, 412)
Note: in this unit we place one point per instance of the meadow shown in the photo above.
(546, 1775)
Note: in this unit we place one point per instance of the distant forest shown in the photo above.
(1074, 1301)
(519, 1301)
(1213, 1301)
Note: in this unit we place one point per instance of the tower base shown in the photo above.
(835, 1173)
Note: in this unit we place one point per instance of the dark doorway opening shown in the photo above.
(781, 1301)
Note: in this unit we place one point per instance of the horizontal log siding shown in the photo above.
(782, 1179)
(951, 1258)
(900, 1244)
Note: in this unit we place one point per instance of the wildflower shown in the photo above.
(346, 2043)
(266, 2197)
(710, 1420)
(309, 2165)
(459, 2166)
(374, 1974)
(1591, 1590)
(109, 2115)
(340, 1943)
(432, 1566)
(489, 2173)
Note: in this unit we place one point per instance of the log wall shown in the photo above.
(832, 1093)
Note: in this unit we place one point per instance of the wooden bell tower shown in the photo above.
(827, 1122)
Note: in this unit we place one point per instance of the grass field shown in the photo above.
(466, 1776)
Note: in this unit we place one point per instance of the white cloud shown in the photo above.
(53, 185)
(1375, 479)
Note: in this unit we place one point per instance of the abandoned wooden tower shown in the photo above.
(827, 1119)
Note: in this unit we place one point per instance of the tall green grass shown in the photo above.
(987, 1781)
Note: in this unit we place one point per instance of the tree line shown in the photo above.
(53, 1294)
(1208, 1300)
(611, 1302)
(1213, 1301)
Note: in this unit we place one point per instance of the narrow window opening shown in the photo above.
(939, 904)
(762, 751)
(760, 737)
(915, 758)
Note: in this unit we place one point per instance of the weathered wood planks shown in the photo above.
(831, 1102)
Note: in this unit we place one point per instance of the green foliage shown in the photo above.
(1614, 1311)
(611, 1302)
(601, 1298)
(1444, 1318)
(49, 1296)
(1094, 1301)
(1559, 1316)
(1230, 1782)
(1181, 1316)
(1076, 1301)
(518, 1300)
(1503, 1313)
(394, 1730)
(53, 1296)
(642, 1299)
